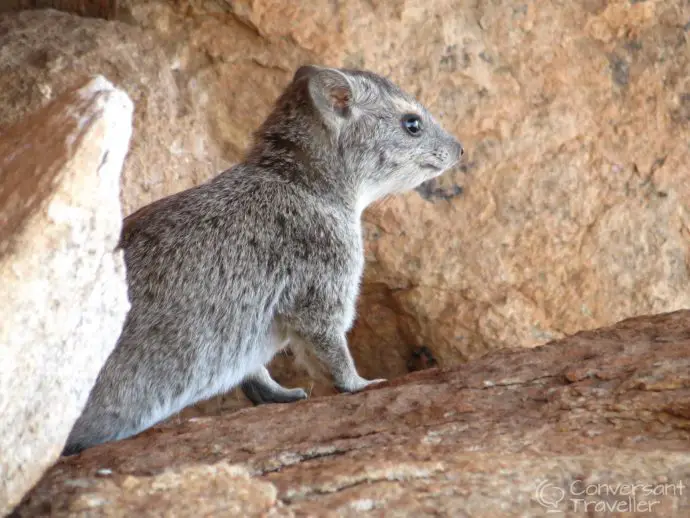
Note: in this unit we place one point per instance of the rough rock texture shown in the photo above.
(43, 52)
(494, 437)
(62, 286)
(575, 115)
(97, 8)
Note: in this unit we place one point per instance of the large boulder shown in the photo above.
(62, 284)
(568, 213)
(594, 425)
(576, 118)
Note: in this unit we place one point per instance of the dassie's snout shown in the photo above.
(456, 150)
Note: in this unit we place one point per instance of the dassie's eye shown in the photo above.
(412, 124)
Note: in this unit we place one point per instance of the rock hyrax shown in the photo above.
(266, 254)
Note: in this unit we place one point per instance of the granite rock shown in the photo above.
(62, 284)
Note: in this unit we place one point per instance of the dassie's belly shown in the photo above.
(209, 384)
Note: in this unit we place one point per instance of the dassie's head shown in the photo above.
(360, 126)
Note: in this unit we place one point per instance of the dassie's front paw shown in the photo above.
(357, 384)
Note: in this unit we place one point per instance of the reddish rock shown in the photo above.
(509, 434)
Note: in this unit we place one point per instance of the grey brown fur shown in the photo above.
(224, 275)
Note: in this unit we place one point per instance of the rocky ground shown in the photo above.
(514, 433)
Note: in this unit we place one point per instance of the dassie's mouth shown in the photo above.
(433, 167)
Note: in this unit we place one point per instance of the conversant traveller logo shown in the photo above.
(581, 496)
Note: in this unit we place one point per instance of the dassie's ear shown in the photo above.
(305, 71)
(329, 89)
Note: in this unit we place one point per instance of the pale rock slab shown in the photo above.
(62, 283)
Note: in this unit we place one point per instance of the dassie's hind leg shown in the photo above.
(72, 449)
(260, 388)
